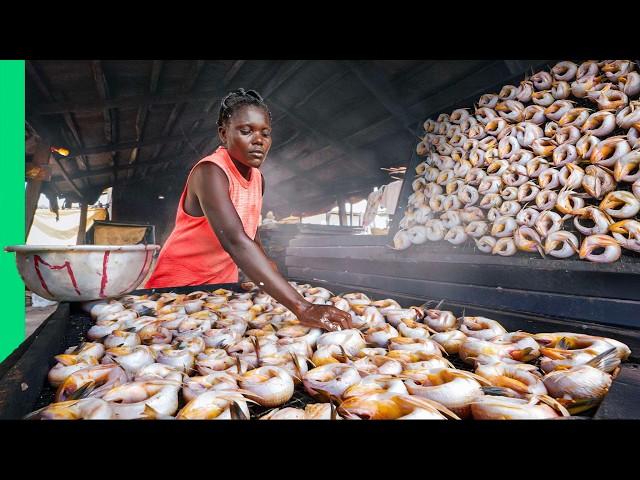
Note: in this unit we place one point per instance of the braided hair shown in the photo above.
(237, 99)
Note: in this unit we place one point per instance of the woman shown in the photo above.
(218, 214)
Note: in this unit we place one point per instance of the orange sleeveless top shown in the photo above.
(193, 255)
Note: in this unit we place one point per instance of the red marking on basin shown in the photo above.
(38, 260)
(139, 277)
(105, 279)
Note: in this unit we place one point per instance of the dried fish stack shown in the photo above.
(549, 166)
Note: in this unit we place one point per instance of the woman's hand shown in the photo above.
(324, 316)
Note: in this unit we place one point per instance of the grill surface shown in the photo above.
(80, 322)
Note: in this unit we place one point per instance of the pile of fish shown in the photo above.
(559, 152)
(208, 355)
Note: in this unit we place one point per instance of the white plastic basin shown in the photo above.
(79, 273)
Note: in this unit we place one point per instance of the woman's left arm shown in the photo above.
(258, 242)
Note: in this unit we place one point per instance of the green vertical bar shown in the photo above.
(12, 194)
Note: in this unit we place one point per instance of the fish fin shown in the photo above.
(474, 360)
(229, 395)
(296, 365)
(608, 170)
(474, 376)
(236, 412)
(431, 330)
(320, 393)
(606, 360)
(521, 354)
(552, 353)
(582, 405)
(66, 359)
(442, 349)
(83, 391)
(150, 413)
(553, 403)
(78, 348)
(344, 355)
(573, 246)
(421, 401)
(34, 415)
(499, 391)
(334, 411)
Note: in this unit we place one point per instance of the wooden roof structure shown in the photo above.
(140, 125)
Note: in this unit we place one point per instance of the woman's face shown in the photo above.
(247, 135)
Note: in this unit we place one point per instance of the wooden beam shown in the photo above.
(353, 154)
(228, 78)
(103, 91)
(32, 194)
(141, 116)
(133, 144)
(187, 85)
(47, 137)
(131, 101)
(284, 73)
(289, 140)
(515, 66)
(67, 177)
(45, 90)
(466, 87)
(281, 75)
(342, 215)
(123, 168)
(206, 111)
(206, 146)
(110, 118)
(376, 82)
(82, 227)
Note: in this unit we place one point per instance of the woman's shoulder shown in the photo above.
(217, 157)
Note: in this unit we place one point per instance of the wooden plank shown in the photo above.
(131, 101)
(565, 281)
(339, 241)
(26, 373)
(82, 227)
(67, 177)
(342, 215)
(143, 112)
(427, 254)
(69, 121)
(143, 143)
(187, 85)
(599, 310)
(511, 320)
(357, 159)
(124, 168)
(103, 91)
(623, 400)
(40, 157)
(376, 82)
